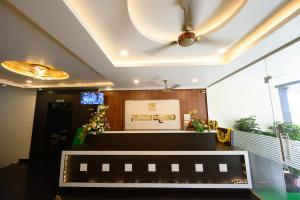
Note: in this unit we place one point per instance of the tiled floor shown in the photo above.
(40, 182)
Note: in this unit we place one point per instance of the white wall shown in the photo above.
(241, 95)
(16, 120)
(245, 93)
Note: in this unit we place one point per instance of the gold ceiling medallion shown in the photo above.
(35, 70)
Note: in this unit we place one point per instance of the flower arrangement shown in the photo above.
(196, 123)
(97, 123)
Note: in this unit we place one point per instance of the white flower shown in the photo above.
(94, 125)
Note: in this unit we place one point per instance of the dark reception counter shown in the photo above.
(154, 160)
(152, 141)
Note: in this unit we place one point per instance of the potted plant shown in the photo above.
(247, 124)
(288, 128)
(196, 123)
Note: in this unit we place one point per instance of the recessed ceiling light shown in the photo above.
(28, 81)
(124, 53)
(222, 50)
(40, 89)
(194, 80)
(136, 81)
(4, 85)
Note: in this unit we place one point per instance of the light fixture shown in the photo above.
(136, 81)
(222, 50)
(29, 81)
(4, 85)
(124, 53)
(40, 89)
(108, 88)
(34, 70)
(194, 80)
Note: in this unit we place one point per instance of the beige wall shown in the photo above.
(16, 119)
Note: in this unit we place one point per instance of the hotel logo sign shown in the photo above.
(159, 118)
(152, 114)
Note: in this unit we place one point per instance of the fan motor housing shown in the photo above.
(186, 39)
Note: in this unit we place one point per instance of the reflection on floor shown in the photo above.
(39, 182)
(271, 195)
(22, 182)
(158, 194)
(293, 196)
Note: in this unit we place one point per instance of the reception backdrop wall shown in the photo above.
(189, 99)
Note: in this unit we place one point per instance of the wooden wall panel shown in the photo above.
(189, 99)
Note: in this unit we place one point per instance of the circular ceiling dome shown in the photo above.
(162, 21)
(35, 70)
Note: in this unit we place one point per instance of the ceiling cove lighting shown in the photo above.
(124, 53)
(34, 70)
(108, 88)
(222, 50)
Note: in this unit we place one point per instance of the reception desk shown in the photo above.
(151, 141)
(154, 160)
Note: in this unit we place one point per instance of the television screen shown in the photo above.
(93, 98)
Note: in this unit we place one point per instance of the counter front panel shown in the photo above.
(152, 141)
(160, 169)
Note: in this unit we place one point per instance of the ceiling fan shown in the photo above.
(188, 36)
(169, 89)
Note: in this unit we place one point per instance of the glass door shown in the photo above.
(262, 104)
(283, 69)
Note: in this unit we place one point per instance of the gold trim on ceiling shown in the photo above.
(282, 16)
(221, 18)
(34, 70)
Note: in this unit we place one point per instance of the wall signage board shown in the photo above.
(59, 100)
(152, 114)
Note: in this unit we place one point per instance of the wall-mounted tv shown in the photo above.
(91, 98)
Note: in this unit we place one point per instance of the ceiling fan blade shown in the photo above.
(160, 48)
(210, 41)
(169, 89)
(187, 15)
(174, 86)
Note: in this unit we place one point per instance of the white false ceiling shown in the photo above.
(141, 25)
(97, 30)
